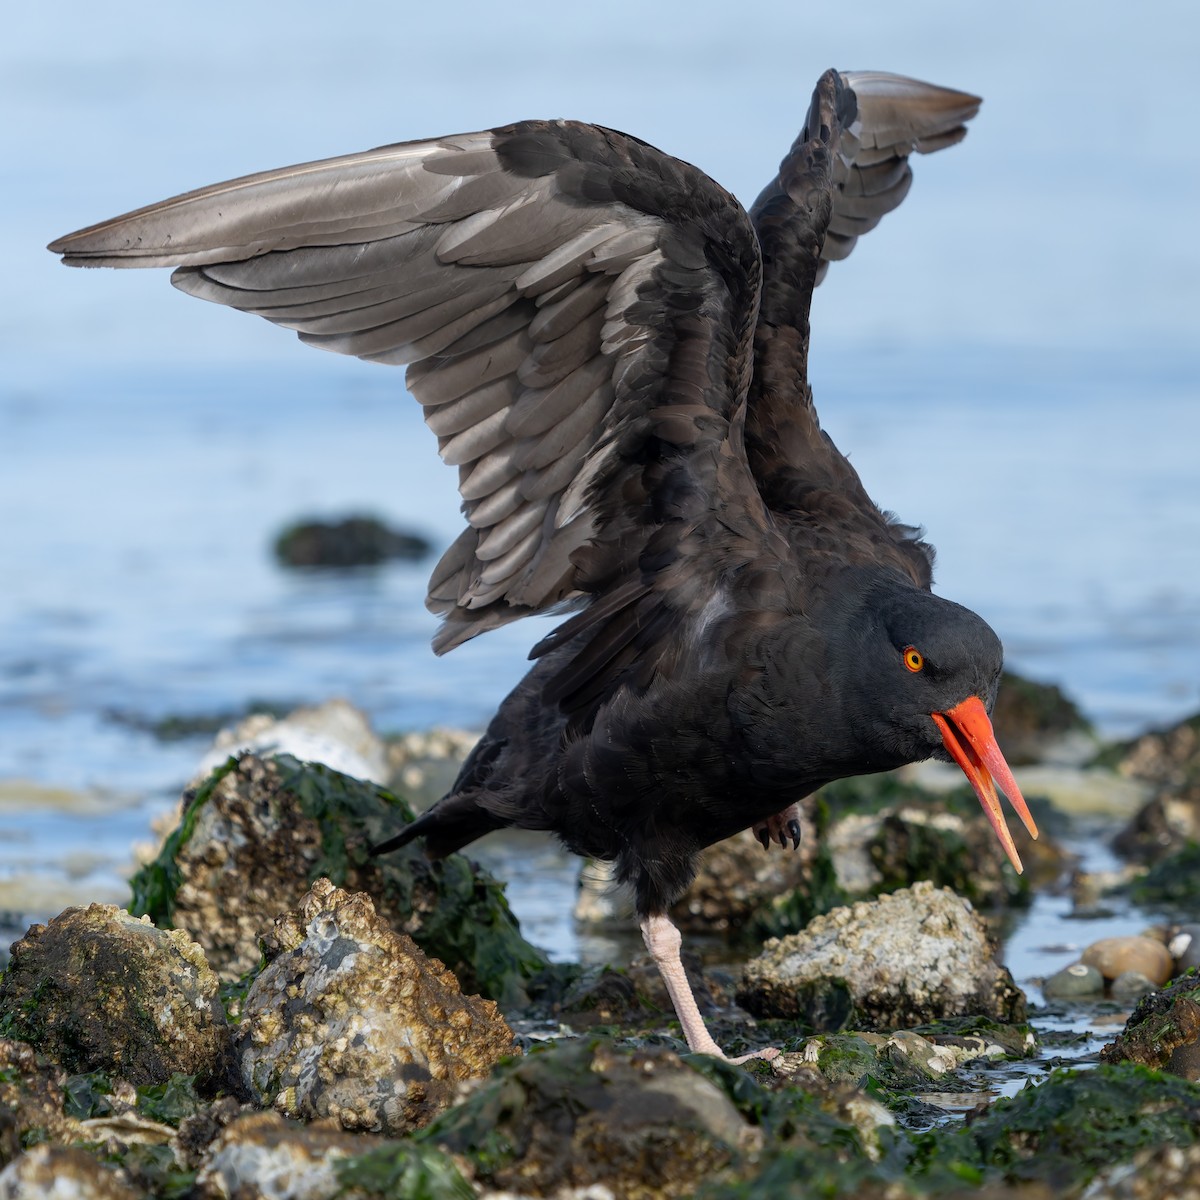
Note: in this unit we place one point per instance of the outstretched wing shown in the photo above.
(576, 308)
(893, 117)
(847, 169)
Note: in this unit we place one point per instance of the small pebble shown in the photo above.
(1185, 946)
(1130, 985)
(1074, 981)
(1116, 955)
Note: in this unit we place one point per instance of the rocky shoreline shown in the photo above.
(276, 1013)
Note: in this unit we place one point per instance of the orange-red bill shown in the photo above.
(968, 735)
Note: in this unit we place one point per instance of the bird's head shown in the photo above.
(932, 670)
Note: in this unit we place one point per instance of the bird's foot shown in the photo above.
(766, 1055)
(780, 827)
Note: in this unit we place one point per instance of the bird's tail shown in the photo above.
(449, 825)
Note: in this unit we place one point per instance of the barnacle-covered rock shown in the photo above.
(262, 1156)
(31, 1100)
(49, 1172)
(99, 990)
(641, 1123)
(259, 831)
(916, 955)
(350, 1020)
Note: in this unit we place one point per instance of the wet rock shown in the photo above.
(353, 542)
(53, 1172)
(261, 1156)
(1168, 760)
(1184, 945)
(737, 878)
(1172, 882)
(31, 1100)
(585, 1112)
(897, 1061)
(1164, 1030)
(259, 831)
(1091, 890)
(1129, 985)
(350, 1020)
(914, 956)
(1076, 982)
(600, 995)
(1163, 825)
(1065, 1130)
(949, 849)
(1116, 955)
(890, 832)
(334, 733)
(99, 990)
(1038, 721)
(1157, 1173)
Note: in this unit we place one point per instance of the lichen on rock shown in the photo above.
(99, 990)
(917, 955)
(350, 1020)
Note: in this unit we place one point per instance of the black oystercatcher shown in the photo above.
(613, 354)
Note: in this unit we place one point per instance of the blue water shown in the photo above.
(1011, 359)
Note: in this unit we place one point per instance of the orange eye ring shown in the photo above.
(914, 660)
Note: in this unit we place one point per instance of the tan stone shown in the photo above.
(1115, 955)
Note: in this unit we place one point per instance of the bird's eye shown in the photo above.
(914, 660)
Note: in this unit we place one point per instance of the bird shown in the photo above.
(613, 353)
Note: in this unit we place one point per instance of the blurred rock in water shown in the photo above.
(353, 542)
(1168, 761)
(1039, 722)
(334, 733)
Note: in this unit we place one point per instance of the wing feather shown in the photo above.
(847, 170)
(550, 285)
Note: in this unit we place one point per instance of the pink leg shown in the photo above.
(779, 828)
(663, 941)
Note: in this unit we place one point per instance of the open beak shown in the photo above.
(969, 737)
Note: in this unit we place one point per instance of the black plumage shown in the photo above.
(614, 355)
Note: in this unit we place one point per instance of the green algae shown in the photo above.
(89, 1094)
(590, 1110)
(172, 1102)
(403, 1171)
(155, 885)
(1066, 1129)
(1163, 1031)
(1061, 1132)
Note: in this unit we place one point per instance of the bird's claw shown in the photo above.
(779, 828)
(793, 831)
